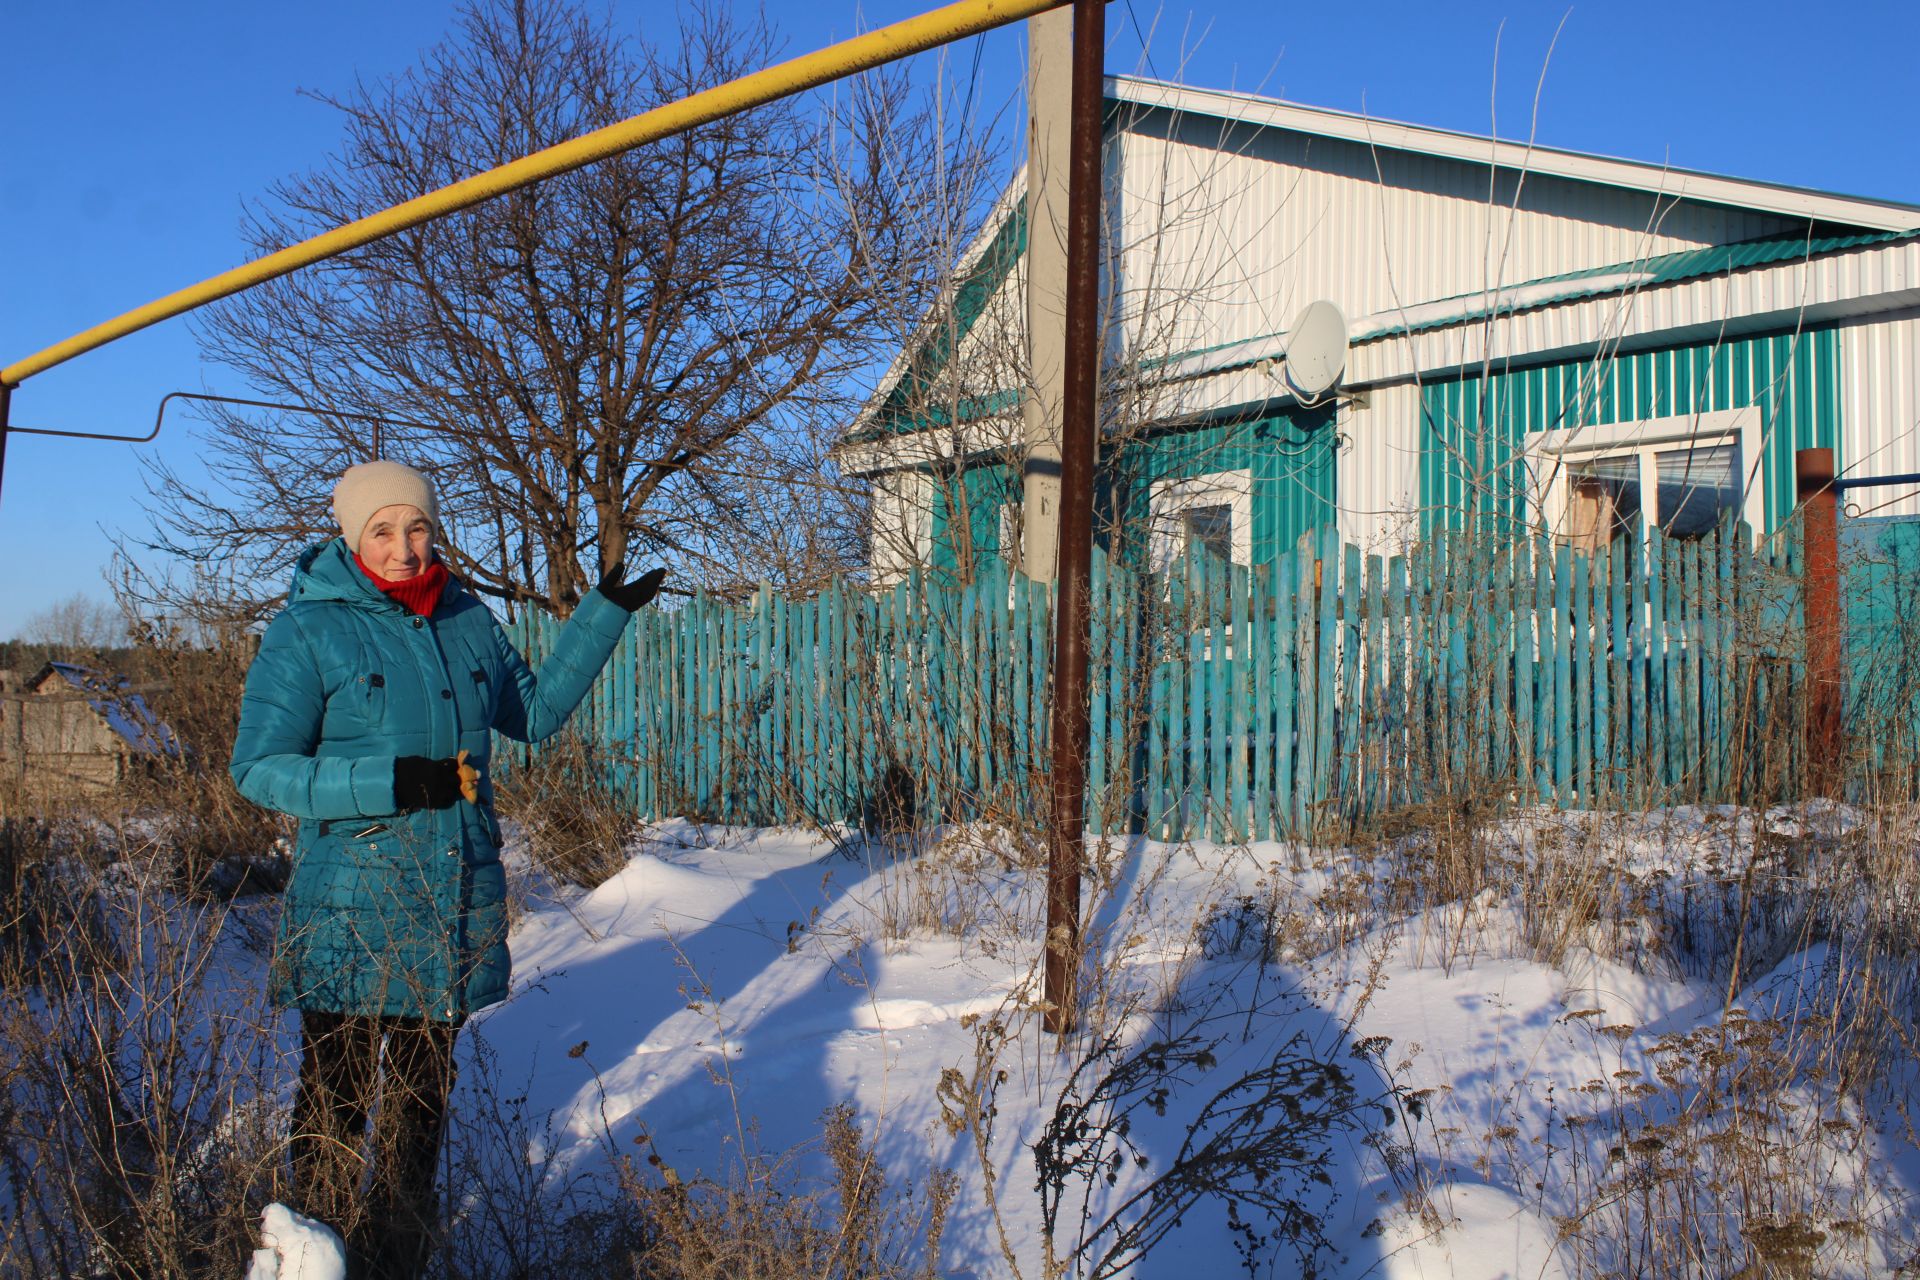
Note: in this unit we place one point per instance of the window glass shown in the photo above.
(1603, 501)
(1210, 528)
(1697, 488)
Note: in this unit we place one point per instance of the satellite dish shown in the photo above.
(1316, 350)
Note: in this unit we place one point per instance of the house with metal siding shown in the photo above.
(1537, 338)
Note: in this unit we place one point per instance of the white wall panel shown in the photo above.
(1229, 232)
(1379, 482)
(1880, 407)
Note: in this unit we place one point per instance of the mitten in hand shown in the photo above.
(631, 595)
(420, 783)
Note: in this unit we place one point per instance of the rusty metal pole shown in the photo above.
(1078, 444)
(1820, 567)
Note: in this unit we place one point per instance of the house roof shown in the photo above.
(1849, 222)
(125, 713)
(1679, 184)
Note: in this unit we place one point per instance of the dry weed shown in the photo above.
(137, 1136)
(769, 1221)
(575, 820)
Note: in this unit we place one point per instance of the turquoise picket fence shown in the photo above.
(1880, 561)
(1226, 701)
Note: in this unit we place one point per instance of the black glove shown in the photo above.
(420, 783)
(631, 595)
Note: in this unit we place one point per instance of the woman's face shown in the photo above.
(397, 543)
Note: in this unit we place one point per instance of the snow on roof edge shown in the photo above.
(1689, 184)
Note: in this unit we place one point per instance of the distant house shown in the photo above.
(71, 725)
(1537, 340)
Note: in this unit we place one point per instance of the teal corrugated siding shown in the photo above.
(1590, 282)
(1471, 465)
(1293, 471)
(1293, 467)
(984, 489)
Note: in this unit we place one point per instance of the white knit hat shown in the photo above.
(369, 486)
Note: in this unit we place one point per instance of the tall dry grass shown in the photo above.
(1765, 1139)
(133, 1136)
(144, 1092)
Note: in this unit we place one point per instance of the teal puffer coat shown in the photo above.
(391, 913)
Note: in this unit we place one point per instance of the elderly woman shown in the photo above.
(368, 715)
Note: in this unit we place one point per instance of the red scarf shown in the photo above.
(420, 595)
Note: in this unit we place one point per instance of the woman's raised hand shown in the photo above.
(631, 595)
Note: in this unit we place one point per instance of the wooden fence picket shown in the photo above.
(1229, 702)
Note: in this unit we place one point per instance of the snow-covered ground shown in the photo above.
(1676, 1043)
(294, 1247)
(1466, 1089)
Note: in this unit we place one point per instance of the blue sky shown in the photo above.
(134, 132)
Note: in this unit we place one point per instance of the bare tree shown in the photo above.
(77, 624)
(619, 361)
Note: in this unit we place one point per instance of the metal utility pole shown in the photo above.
(1049, 139)
(1820, 544)
(1078, 443)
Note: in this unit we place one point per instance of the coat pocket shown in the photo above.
(354, 828)
(373, 697)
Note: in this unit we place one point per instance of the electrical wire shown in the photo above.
(1146, 49)
(679, 465)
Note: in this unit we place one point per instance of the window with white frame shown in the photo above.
(1211, 512)
(902, 530)
(1683, 475)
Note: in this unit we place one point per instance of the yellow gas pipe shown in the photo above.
(909, 36)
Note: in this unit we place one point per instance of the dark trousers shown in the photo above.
(344, 1077)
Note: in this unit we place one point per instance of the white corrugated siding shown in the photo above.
(1880, 406)
(998, 338)
(1226, 239)
(1379, 483)
(1227, 235)
(901, 535)
(1881, 278)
